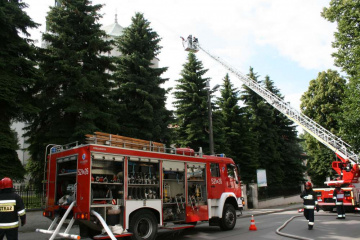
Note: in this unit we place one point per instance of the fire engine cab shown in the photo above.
(116, 186)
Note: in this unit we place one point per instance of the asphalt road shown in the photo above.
(326, 227)
(267, 222)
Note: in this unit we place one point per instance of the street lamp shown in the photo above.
(211, 134)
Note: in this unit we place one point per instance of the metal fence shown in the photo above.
(277, 191)
(31, 197)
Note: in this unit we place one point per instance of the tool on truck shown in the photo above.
(347, 166)
(119, 186)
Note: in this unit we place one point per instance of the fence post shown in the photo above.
(254, 194)
(244, 195)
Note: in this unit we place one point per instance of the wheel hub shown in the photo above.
(144, 228)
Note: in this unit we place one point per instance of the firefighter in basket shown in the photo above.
(310, 204)
(338, 196)
(11, 208)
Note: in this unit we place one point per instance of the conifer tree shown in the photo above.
(238, 138)
(73, 94)
(191, 106)
(262, 119)
(258, 114)
(277, 146)
(138, 92)
(289, 148)
(18, 74)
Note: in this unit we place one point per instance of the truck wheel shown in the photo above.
(85, 231)
(228, 219)
(143, 225)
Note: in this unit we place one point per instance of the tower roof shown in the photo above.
(114, 29)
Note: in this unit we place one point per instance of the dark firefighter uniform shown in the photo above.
(310, 204)
(11, 208)
(338, 196)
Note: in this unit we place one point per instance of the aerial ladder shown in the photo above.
(347, 168)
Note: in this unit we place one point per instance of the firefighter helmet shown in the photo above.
(308, 184)
(7, 183)
(1, 184)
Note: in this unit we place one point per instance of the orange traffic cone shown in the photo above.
(252, 224)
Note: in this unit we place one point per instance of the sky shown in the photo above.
(287, 40)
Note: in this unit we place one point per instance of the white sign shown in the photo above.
(261, 178)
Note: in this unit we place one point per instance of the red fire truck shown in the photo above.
(117, 186)
(348, 179)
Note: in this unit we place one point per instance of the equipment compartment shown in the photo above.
(66, 169)
(143, 179)
(174, 191)
(107, 178)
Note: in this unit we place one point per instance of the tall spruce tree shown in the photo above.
(73, 93)
(322, 103)
(191, 106)
(18, 74)
(238, 138)
(347, 42)
(289, 148)
(262, 117)
(138, 92)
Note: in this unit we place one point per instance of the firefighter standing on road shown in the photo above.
(11, 208)
(338, 196)
(310, 204)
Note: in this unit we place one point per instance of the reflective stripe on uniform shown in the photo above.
(311, 223)
(8, 202)
(22, 212)
(309, 206)
(9, 225)
(308, 197)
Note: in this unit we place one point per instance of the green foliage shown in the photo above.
(191, 105)
(261, 116)
(17, 61)
(238, 140)
(347, 16)
(350, 116)
(73, 93)
(10, 165)
(275, 145)
(289, 148)
(141, 100)
(322, 103)
(347, 42)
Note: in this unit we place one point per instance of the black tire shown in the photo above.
(86, 231)
(92, 233)
(192, 223)
(228, 220)
(143, 225)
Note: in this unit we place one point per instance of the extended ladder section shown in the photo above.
(320, 133)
